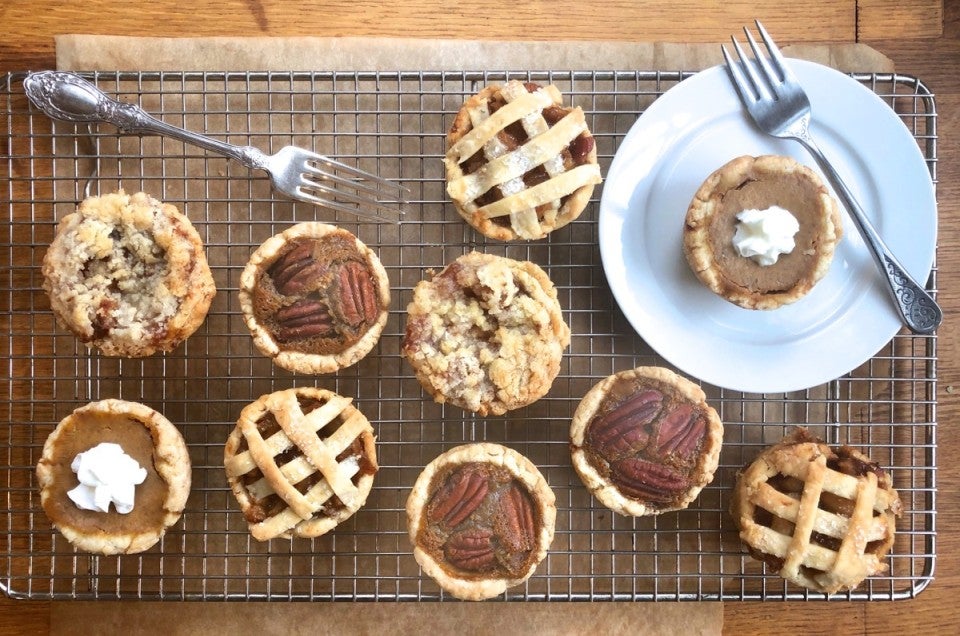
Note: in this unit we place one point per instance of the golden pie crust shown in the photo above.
(822, 518)
(645, 441)
(481, 518)
(127, 274)
(519, 163)
(759, 183)
(315, 298)
(486, 334)
(299, 462)
(152, 441)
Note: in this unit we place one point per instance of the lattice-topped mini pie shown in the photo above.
(821, 518)
(300, 461)
(519, 163)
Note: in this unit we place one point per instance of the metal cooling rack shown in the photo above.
(392, 124)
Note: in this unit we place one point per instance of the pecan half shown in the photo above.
(304, 319)
(354, 294)
(681, 431)
(622, 430)
(647, 481)
(471, 550)
(460, 495)
(514, 523)
(296, 270)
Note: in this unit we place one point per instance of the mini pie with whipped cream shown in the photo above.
(486, 333)
(481, 518)
(519, 163)
(761, 184)
(315, 298)
(159, 492)
(645, 441)
(821, 518)
(299, 462)
(127, 274)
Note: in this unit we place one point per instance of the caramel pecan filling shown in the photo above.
(318, 295)
(646, 442)
(481, 522)
(271, 505)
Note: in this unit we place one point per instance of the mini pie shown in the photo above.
(481, 518)
(520, 164)
(315, 298)
(146, 436)
(486, 333)
(759, 183)
(822, 519)
(300, 461)
(644, 441)
(127, 274)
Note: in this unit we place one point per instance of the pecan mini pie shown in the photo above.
(127, 274)
(486, 333)
(315, 298)
(146, 438)
(519, 163)
(758, 186)
(645, 441)
(300, 461)
(822, 519)
(481, 518)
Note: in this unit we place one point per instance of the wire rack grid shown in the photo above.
(392, 124)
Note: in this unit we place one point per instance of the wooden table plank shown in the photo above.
(887, 19)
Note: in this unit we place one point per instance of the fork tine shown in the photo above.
(359, 186)
(342, 207)
(339, 195)
(776, 57)
(356, 172)
(770, 75)
(760, 89)
(740, 81)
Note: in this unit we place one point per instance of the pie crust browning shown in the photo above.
(822, 519)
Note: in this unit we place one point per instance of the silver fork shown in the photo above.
(295, 172)
(780, 107)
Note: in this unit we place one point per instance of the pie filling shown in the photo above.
(480, 522)
(319, 296)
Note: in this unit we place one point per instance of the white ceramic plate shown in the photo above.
(686, 134)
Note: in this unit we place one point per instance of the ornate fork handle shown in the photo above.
(918, 309)
(69, 97)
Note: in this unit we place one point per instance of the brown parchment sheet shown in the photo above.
(82, 52)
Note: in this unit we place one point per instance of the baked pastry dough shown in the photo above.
(519, 163)
(822, 519)
(143, 434)
(481, 518)
(760, 183)
(486, 333)
(300, 461)
(127, 274)
(315, 298)
(645, 441)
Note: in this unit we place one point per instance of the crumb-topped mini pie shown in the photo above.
(315, 298)
(519, 163)
(300, 461)
(481, 518)
(761, 231)
(821, 518)
(644, 441)
(127, 516)
(486, 333)
(127, 274)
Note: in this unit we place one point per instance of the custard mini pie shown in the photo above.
(519, 163)
(99, 508)
(644, 441)
(315, 298)
(481, 518)
(822, 518)
(127, 274)
(300, 461)
(486, 333)
(740, 216)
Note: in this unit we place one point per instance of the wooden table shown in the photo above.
(922, 37)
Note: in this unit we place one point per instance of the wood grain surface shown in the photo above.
(921, 37)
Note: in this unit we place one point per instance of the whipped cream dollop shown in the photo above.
(763, 235)
(107, 475)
